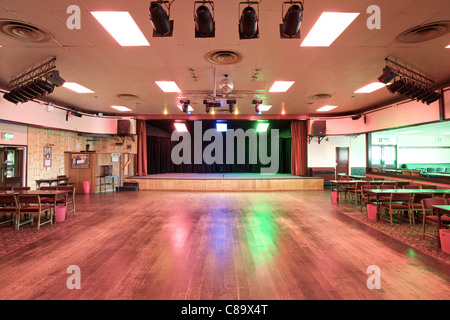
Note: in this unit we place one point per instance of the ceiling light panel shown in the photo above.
(121, 27)
(374, 86)
(168, 86)
(76, 87)
(281, 86)
(121, 108)
(180, 127)
(326, 108)
(328, 28)
(264, 107)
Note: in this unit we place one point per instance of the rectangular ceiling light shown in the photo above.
(121, 27)
(180, 127)
(168, 86)
(76, 87)
(221, 127)
(281, 86)
(326, 108)
(447, 47)
(374, 86)
(264, 107)
(121, 108)
(262, 127)
(328, 28)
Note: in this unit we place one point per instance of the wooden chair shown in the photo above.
(406, 172)
(427, 214)
(70, 198)
(375, 170)
(356, 191)
(8, 206)
(426, 186)
(415, 204)
(365, 198)
(5, 188)
(415, 173)
(398, 203)
(31, 205)
(393, 185)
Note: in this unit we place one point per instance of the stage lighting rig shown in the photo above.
(257, 102)
(185, 105)
(211, 104)
(248, 22)
(205, 26)
(290, 28)
(160, 18)
(231, 105)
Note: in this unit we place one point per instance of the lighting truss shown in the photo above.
(35, 73)
(411, 84)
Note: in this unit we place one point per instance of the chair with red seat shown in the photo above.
(8, 206)
(398, 203)
(70, 199)
(30, 204)
(365, 198)
(21, 188)
(5, 188)
(428, 215)
(356, 191)
(412, 186)
(416, 203)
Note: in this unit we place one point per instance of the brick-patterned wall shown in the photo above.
(61, 141)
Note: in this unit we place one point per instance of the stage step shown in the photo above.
(129, 186)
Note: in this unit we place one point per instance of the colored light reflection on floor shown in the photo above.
(262, 233)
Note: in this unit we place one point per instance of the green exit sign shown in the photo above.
(8, 135)
(383, 140)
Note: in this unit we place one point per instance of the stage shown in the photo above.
(216, 182)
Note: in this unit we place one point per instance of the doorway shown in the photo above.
(13, 166)
(384, 156)
(342, 161)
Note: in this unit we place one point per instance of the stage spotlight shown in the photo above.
(55, 79)
(231, 105)
(10, 98)
(397, 85)
(418, 91)
(16, 94)
(257, 102)
(76, 114)
(204, 20)
(406, 88)
(290, 28)
(356, 117)
(388, 75)
(248, 23)
(162, 26)
(185, 105)
(432, 98)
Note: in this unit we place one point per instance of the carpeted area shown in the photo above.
(402, 231)
(11, 239)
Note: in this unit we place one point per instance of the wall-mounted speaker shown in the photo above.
(319, 128)
(123, 127)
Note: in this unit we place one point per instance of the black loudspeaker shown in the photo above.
(123, 127)
(319, 128)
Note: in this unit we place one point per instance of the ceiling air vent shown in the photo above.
(23, 31)
(224, 57)
(424, 32)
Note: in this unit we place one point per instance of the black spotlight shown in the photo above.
(388, 75)
(397, 85)
(290, 28)
(185, 105)
(432, 98)
(205, 26)
(231, 105)
(409, 85)
(257, 102)
(248, 24)
(55, 79)
(10, 98)
(16, 94)
(418, 91)
(162, 26)
(356, 117)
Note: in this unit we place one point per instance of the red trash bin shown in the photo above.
(87, 186)
(60, 213)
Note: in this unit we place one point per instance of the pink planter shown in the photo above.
(334, 197)
(372, 211)
(444, 235)
(60, 213)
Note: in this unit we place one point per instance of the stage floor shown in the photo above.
(226, 182)
(219, 176)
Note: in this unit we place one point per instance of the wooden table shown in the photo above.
(104, 182)
(440, 210)
(51, 181)
(54, 194)
(340, 183)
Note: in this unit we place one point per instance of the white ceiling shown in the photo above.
(91, 57)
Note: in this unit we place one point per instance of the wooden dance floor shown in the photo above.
(226, 182)
(220, 246)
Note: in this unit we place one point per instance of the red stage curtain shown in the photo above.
(142, 148)
(299, 132)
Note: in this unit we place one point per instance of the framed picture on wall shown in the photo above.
(80, 161)
(47, 156)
